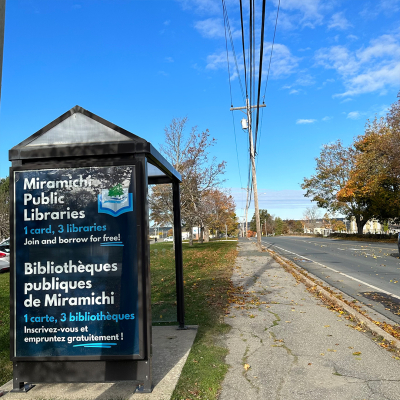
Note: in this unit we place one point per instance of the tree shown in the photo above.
(375, 176)
(339, 226)
(334, 166)
(266, 221)
(280, 226)
(4, 208)
(330, 222)
(294, 226)
(310, 217)
(189, 155)
(218, 209)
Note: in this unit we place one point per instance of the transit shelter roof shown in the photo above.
(80, 133)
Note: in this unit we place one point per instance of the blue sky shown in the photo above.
(139, 64)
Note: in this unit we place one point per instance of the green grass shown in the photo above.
(5, 363)
(207, 272)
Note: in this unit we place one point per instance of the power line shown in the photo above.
(227, 24)
(272, 48)
(244, 53)
(260, 73)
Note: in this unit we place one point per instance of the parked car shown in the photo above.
(5, 255)
(5, 246)
(169, 239)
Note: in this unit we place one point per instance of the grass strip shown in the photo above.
(5, 363)
(207, 273)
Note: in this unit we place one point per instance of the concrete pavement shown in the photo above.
(285, 344)
(170, 350)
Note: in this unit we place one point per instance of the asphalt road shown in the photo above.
(368, 272)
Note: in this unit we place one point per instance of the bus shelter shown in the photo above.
(80, 258)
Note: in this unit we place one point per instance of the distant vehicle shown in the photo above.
(169, 239)
(5, 246)
(5, 255)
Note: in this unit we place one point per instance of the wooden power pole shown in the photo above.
(253, 167)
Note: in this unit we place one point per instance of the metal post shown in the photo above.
(253, 168)
(178, 255)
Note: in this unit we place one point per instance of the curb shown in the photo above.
(350, 310)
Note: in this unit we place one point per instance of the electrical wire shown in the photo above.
(272, 48)
(260, 73)
(227, 24)
(244, 52)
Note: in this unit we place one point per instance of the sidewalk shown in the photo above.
(287, 345)
(171, 348)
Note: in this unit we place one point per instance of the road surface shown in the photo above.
(366, 271)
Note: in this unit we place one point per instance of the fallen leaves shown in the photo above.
(246, 367)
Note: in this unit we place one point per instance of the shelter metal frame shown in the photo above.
(48, 149)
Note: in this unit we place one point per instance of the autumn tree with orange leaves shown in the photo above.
(376, 173)
(362, 180)
(219, 212)
(332, 172)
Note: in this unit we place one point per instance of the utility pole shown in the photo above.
(253, 168)
(247, 206)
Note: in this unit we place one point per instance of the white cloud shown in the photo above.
(212, 28)
(355, 115)
(166, 23)
(294, 91)
(368, 69)
(169, 59)
(306, 13)
(305, 80)
(283, 64)
(352, 37)
(339, 58)
(206, 7)
(330, 80)
(373, 9)
(384, 46)
(373, 80)
(216, 60)
(339, 21)
(325, 119)
(305, 121)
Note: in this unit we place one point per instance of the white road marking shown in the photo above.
(341, 273)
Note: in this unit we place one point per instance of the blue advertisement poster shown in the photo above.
(76, 278)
